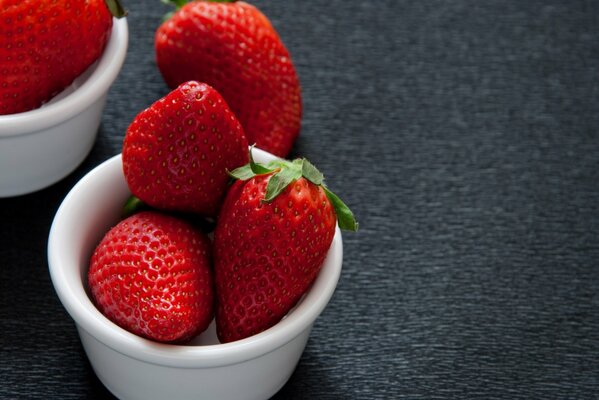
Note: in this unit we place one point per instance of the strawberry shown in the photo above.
(45, 45)
(151, 275)
(176, 153)
(233, 47)
(272, 235)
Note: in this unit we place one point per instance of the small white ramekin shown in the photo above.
(42, 146)
(135, 368)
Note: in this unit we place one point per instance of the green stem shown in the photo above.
(116, 8)
(132, 206)
(180, 3)
(176, 3)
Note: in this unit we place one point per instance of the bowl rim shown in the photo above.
(87, 316)
(106, 69)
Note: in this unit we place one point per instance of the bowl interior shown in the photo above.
(91, 208)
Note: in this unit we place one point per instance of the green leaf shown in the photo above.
(176, 3)
(132, 206)
(280, 180)
(345, 217)
(250, 170)
(311, 173)
(277, 164)
(181, 3)
(167, 16)
(242, 173)
(259, 169)
(116, 8)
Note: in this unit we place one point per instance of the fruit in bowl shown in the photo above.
(38, 121)
(272, 235)
(142, 288)
(176, 153)
(134, 367)
(151, 274)
(45, 45)
(274, 226)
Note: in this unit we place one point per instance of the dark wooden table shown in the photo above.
(464, 135)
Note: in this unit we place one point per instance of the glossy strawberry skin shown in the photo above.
(234, 48)
(151, 275)
(45, 45)
(267, 254)
(176, 153)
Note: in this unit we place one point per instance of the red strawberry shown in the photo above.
(176, 153)
(272, 235)
(151, 274)
(45, 45)
(233, 47)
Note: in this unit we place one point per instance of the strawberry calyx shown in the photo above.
(176, 3)
(286, 172)
(132, 206)
(116, 8)
(181, 3)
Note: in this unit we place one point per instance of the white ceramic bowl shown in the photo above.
(42, 146)
(135, 368)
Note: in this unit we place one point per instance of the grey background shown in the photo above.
(464, 135)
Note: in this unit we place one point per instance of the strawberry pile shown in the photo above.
(157, 274)
(210, 233)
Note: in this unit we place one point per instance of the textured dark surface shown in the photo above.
(464, 135)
